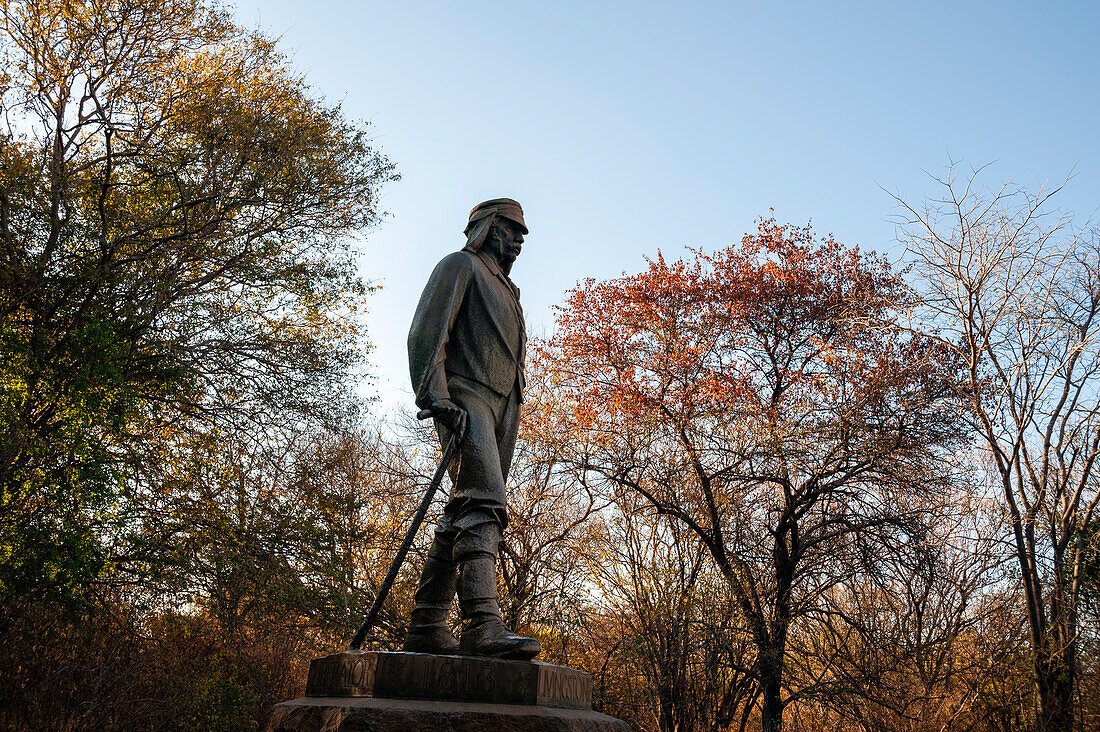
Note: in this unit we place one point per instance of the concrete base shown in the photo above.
(366, 714)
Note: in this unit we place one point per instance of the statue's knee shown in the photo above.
(479, 534)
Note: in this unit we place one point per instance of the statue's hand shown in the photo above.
(451, 415)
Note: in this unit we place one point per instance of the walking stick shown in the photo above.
(410, 534)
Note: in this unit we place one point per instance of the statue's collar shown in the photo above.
(494, 267)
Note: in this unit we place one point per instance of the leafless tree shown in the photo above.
(676, 631)
(910, 639)
(1012, 287)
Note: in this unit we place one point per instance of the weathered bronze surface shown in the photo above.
(448, 678)
(467, 345)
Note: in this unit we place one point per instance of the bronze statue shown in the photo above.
(466, 350)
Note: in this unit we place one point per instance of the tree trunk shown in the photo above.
(773, 649)
(770, 680)
(1054, 687)
(771, 710)
(1055, 654)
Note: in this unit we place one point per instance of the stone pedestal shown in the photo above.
(366, 714)
(384, 692)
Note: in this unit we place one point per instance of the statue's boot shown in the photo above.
(483, 630)
(428, 631)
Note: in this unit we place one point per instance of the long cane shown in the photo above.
(418, 518)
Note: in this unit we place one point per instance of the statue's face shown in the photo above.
(507, 242)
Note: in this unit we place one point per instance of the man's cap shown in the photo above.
(505, 207)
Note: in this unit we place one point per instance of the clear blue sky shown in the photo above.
(624, 128)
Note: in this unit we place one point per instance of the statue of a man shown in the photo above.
(466, 350)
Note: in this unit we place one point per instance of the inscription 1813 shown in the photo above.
(451, 678)
(477, 679)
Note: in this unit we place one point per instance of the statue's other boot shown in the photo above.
(428, 631)
(483, 630)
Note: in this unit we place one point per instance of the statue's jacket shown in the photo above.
(468, 323)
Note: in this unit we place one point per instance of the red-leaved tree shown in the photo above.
(766, 397)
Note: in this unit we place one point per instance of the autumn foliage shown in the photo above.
(783, 331)
(781, 484)
(766, 397)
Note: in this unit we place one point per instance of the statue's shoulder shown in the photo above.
(456, 262)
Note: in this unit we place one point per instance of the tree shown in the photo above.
(1013, 291)
(175, 213)
(764, 397)
(679, 638)
(548, 522)
(914, 641)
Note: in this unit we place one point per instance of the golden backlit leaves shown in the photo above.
(178, 224)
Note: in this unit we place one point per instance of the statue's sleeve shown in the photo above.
(431, 327)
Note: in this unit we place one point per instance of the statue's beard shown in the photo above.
(508, 255)
(504, 252)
